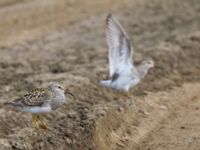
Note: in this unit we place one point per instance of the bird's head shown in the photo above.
(144, 67)
(148, 63)
(56, 87)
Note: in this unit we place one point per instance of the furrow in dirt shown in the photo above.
(128, 129)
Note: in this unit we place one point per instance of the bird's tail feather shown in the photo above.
(105, 82)
(11, 104)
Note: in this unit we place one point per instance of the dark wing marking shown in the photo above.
(36, 97)
(114, 77)
(120, 50)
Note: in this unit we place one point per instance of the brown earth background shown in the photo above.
(64, 41)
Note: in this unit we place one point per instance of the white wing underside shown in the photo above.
(120, 50)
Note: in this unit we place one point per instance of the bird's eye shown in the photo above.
(59, 87)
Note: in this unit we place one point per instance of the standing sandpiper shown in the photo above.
(39, 101)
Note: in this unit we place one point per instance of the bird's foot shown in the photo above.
(42, 125)
(132, 103)
(38, 123)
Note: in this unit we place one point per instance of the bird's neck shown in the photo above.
(142, 71)
(60, 97)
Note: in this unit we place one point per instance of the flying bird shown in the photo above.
(123, 73)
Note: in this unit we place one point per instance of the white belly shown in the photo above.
(124, 83)
(36, 109)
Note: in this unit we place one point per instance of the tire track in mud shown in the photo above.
(181, 130)
(132, 130)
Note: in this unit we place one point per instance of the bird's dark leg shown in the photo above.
(132, 100)
(38, 122)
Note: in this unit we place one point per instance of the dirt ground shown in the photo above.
(64, 41)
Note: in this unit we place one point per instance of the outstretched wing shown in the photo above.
(120, 50)
(36, 97)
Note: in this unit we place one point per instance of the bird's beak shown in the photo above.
(69, 93)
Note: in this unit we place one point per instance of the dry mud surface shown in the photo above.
(64, 41)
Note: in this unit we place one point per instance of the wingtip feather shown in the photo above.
(7, 103)
(11, 104)
(109, 16)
